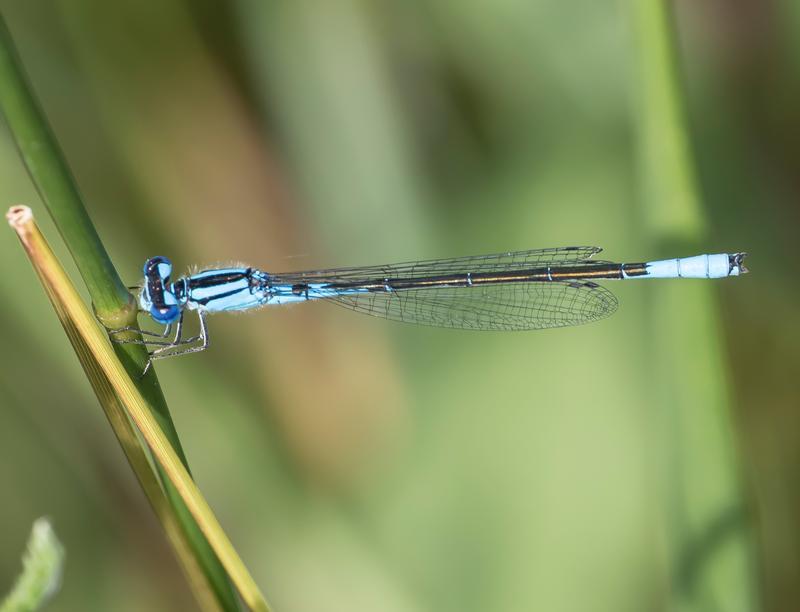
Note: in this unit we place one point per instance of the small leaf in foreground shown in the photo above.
(41, 571)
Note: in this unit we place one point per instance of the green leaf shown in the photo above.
(41, 571)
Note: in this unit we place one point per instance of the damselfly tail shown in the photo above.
(737, 262)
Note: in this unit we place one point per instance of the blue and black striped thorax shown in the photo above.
(223, 289)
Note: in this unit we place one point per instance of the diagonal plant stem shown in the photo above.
(56, 186)
(106, 372)
(113, 304)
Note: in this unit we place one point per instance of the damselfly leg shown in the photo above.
(166, 348)
(182, 345)
(167, 330)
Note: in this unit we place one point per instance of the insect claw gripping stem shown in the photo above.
(165, 349)
(130, 329)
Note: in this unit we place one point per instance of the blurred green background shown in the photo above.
(647, 462)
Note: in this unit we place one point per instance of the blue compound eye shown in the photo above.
(165, 314)
(158, 267)
(156, 298)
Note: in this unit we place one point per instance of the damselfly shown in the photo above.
(519, 290)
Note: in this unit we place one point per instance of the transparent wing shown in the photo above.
(514, 260)
(512, 306)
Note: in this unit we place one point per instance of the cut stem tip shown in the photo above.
(19, 215)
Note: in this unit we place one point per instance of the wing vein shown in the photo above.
(511, 306)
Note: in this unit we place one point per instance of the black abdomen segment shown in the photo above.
(473, 279)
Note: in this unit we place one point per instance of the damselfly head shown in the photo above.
(156, 298)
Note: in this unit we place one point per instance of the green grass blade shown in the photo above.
(113, 303)
(54, 182)
(41, 573)
(709, 539)
(672, 205)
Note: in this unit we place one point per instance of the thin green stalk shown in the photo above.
(113, 304)
(56, 186)
(672, 206)
(709, 542)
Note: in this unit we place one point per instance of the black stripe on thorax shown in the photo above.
(219, 278)
(219, 296)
